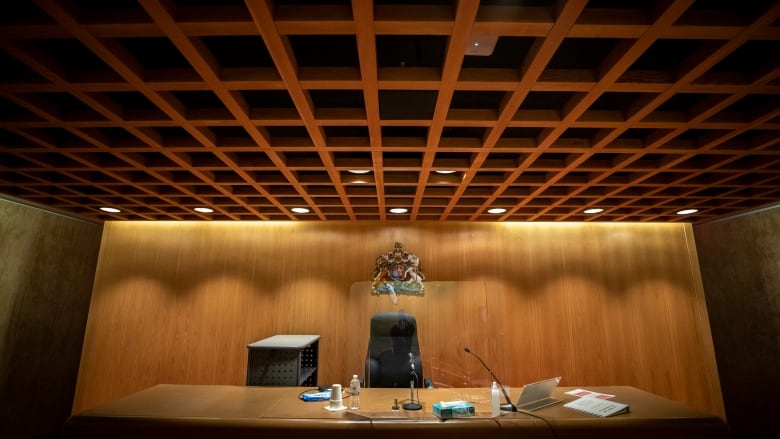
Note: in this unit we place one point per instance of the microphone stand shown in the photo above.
(412, 405)
(508, 406)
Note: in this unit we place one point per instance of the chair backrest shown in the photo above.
(393, 335)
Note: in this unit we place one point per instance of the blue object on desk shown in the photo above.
(453, 409)
(319, 396)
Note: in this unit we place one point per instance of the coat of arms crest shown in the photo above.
(398, 272)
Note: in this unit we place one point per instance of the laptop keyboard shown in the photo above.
(538, 404)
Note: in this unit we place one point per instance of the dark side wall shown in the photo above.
(740, 267)
(47, 265)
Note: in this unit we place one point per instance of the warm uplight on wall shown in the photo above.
(593, 210)
(110, 209)
(687, 211)
(496, 210)
(399, 210)
(300, 210)
(203, 210)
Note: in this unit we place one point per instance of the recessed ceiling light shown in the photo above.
(358, 179)
(481, 45)
(203, 210)
(444, 171)
(300, 210)
(496, 210)
(399, 210)
(593, 210)
(444, 179)
(110, 209)
(687, 211)
(359, 171)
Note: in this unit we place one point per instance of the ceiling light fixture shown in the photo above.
(300, 210)
(687, 211)
(444, 179)
(110, 209)
(203, 210)
(444, 171)
(359, 171)
(358, 179)
(399, 210)
(593, 210)
(481, 45)
(496, 210)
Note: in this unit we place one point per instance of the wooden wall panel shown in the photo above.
(597, 304)
(741, 273)
(46, 272)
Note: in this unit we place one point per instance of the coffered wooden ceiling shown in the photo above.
(641, 108)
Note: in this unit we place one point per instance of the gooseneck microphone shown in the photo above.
(412, 404)
(508, 406)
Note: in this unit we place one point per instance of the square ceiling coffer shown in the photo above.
(481, 45)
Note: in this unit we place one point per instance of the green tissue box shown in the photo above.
(453, 409)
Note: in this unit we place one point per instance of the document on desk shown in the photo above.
(583, 393)
(597, 407)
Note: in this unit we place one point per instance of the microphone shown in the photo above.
(509, 406)
(412, 404)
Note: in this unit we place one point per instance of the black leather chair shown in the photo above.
(393, 335)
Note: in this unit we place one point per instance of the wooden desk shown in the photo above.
(232, 411)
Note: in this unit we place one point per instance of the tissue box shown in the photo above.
(453, 409)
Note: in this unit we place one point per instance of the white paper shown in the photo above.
(582, 393)
(597, 407)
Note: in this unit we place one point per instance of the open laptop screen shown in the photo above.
(537, 395)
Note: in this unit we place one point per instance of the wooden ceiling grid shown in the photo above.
(254, 107)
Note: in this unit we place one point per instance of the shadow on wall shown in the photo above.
(259, 254)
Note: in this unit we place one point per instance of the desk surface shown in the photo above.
(210, 411)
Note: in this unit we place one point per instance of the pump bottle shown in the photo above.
(495, 403)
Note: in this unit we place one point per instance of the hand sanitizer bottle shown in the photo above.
(495, 404)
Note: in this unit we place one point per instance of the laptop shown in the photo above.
(537, 395)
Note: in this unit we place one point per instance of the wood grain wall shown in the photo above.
(177, 302)
(740, 267)
(47, 263)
